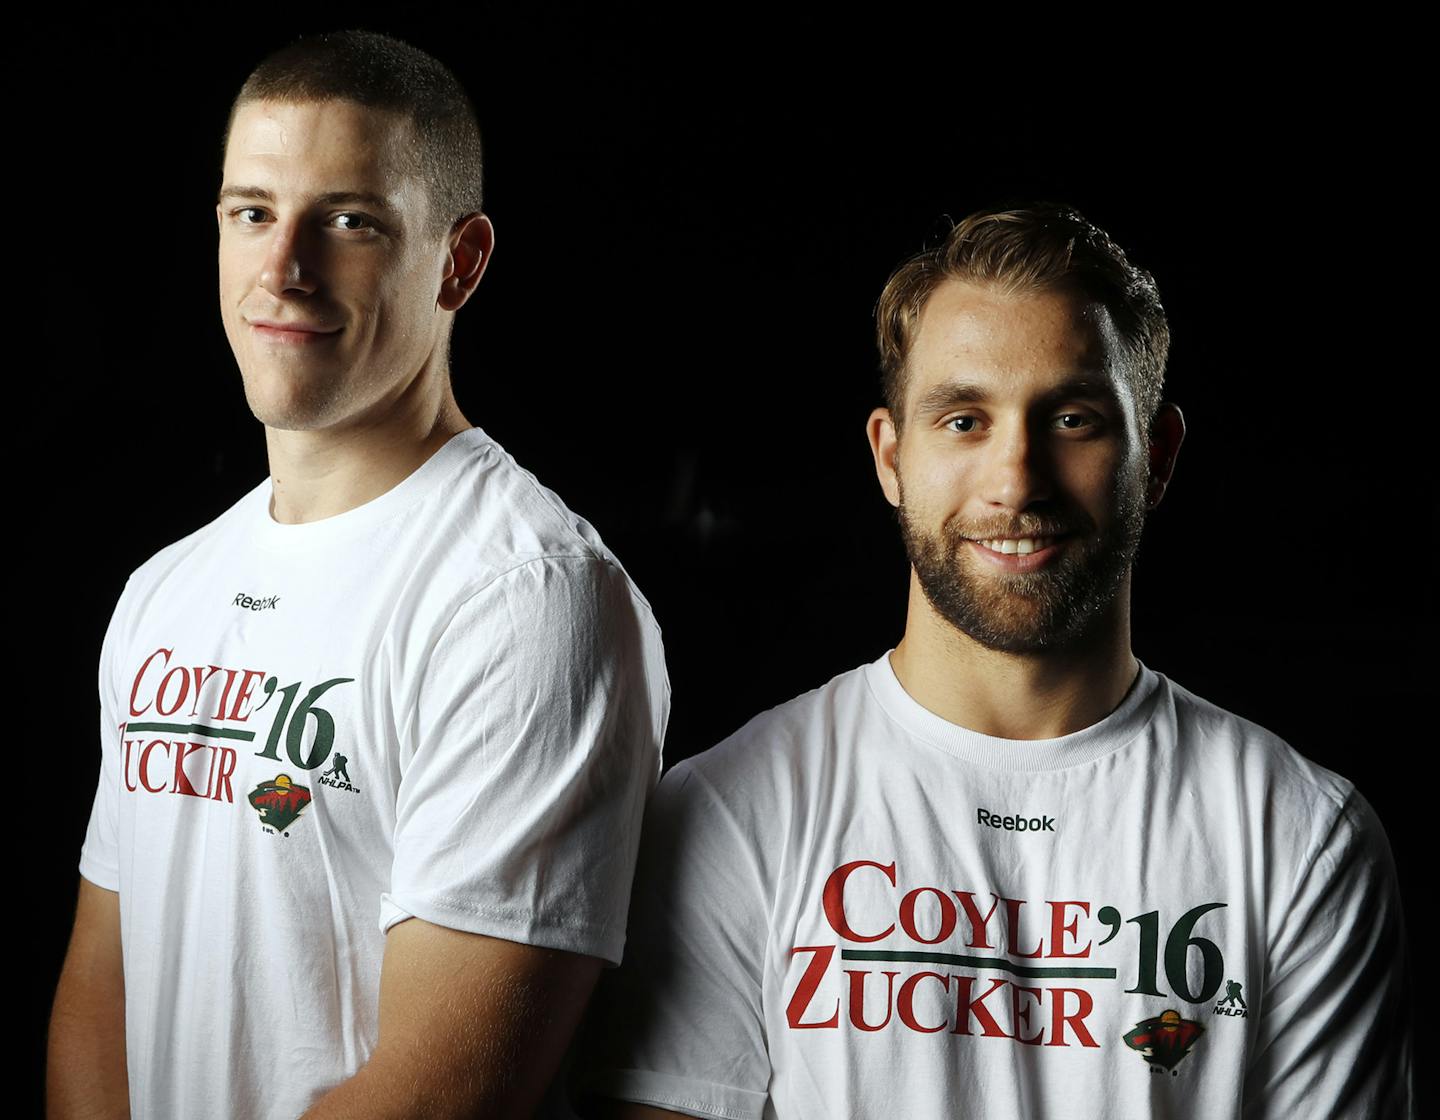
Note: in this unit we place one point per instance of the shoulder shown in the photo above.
(1261, 761)
(494, 523)
(1300, 812)
(174, 559)
(512, 516)
(765, 764)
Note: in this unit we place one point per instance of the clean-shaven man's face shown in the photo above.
(328, 273)
(1021, 467)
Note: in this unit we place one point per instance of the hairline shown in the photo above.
(1119, 354)
(433, 225)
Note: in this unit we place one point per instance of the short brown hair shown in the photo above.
(1039, 247)
(381, 72)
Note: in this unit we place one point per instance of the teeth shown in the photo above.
(1021, 546)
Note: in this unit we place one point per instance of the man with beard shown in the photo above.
(953, 881)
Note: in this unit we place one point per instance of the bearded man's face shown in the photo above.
(1020, 469)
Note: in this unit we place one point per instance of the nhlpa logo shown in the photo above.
(279, 802)
(1164, 1040)
(1233, 1003)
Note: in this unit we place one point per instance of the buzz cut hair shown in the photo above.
(1036, 248)
(381, 72)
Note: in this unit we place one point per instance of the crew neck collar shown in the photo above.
(404, 494)
(1110, 734)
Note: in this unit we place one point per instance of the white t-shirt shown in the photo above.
(854, 908)
(445, 703)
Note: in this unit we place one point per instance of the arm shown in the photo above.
(85, 1067)
(1333, 1037)
(534, 740)
(680, 1026)
(469, 1026)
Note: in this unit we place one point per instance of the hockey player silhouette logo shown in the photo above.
(337, 777)
(1164, 1039)
(279, 802)
(1233, 1003)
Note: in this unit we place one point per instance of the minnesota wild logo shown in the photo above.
(279, 802)
(1164, 1039)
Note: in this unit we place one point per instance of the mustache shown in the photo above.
(1012, 528)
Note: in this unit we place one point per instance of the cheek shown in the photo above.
(937, 480)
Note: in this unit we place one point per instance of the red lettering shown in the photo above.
(1058, 1018)
(966, 1005)
(1020, 1016)
(834, 899)
(857, 998)
(979, 926)
(144, 764)
(160, 708)
(228, 760)
(182, 780)
(135, 688)
(224, 695)
(202, 674)
(905, 1001)
(947, 916)
(242, 697)
(808, 986)
(1059, 928)
(1012, 911)
(131, 786)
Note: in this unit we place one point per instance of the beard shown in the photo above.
(1028, 612)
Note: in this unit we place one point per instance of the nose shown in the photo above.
(287, 270)
(1017, 474)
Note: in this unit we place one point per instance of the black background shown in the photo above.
(694, 220)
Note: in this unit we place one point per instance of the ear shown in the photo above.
(472, 240)
(884, 445)
(1167, 433)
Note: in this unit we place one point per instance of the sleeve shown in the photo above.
(99, 855)
(1333, 1038)
(681, 1025)
(534, 735)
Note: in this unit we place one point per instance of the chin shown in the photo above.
(290, 412)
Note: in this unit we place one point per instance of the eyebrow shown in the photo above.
(332, 198)
(948, 394)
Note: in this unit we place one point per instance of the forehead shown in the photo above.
(1020, 341)
(320, 147)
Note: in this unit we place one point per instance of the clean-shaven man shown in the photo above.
(376, 742)
(1006, 870)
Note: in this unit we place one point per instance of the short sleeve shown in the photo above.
(1333, 1037)
(536, 733)
(99, 855)
(681, 1026)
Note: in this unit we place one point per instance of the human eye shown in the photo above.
(1077, 422)
(350, 220)
(248, 215)
(962, 424)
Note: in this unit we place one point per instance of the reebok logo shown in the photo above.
(1015, 824)
(248, 603)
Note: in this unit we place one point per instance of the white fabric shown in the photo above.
(738, 995)
(496, 689)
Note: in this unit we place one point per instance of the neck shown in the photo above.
(1009, 695)
(324, 472)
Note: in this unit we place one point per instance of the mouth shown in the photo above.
(1017, 546)
(1018, 554)
(294, 334)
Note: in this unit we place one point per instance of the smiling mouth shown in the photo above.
(292, 333)
(1016, 546)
